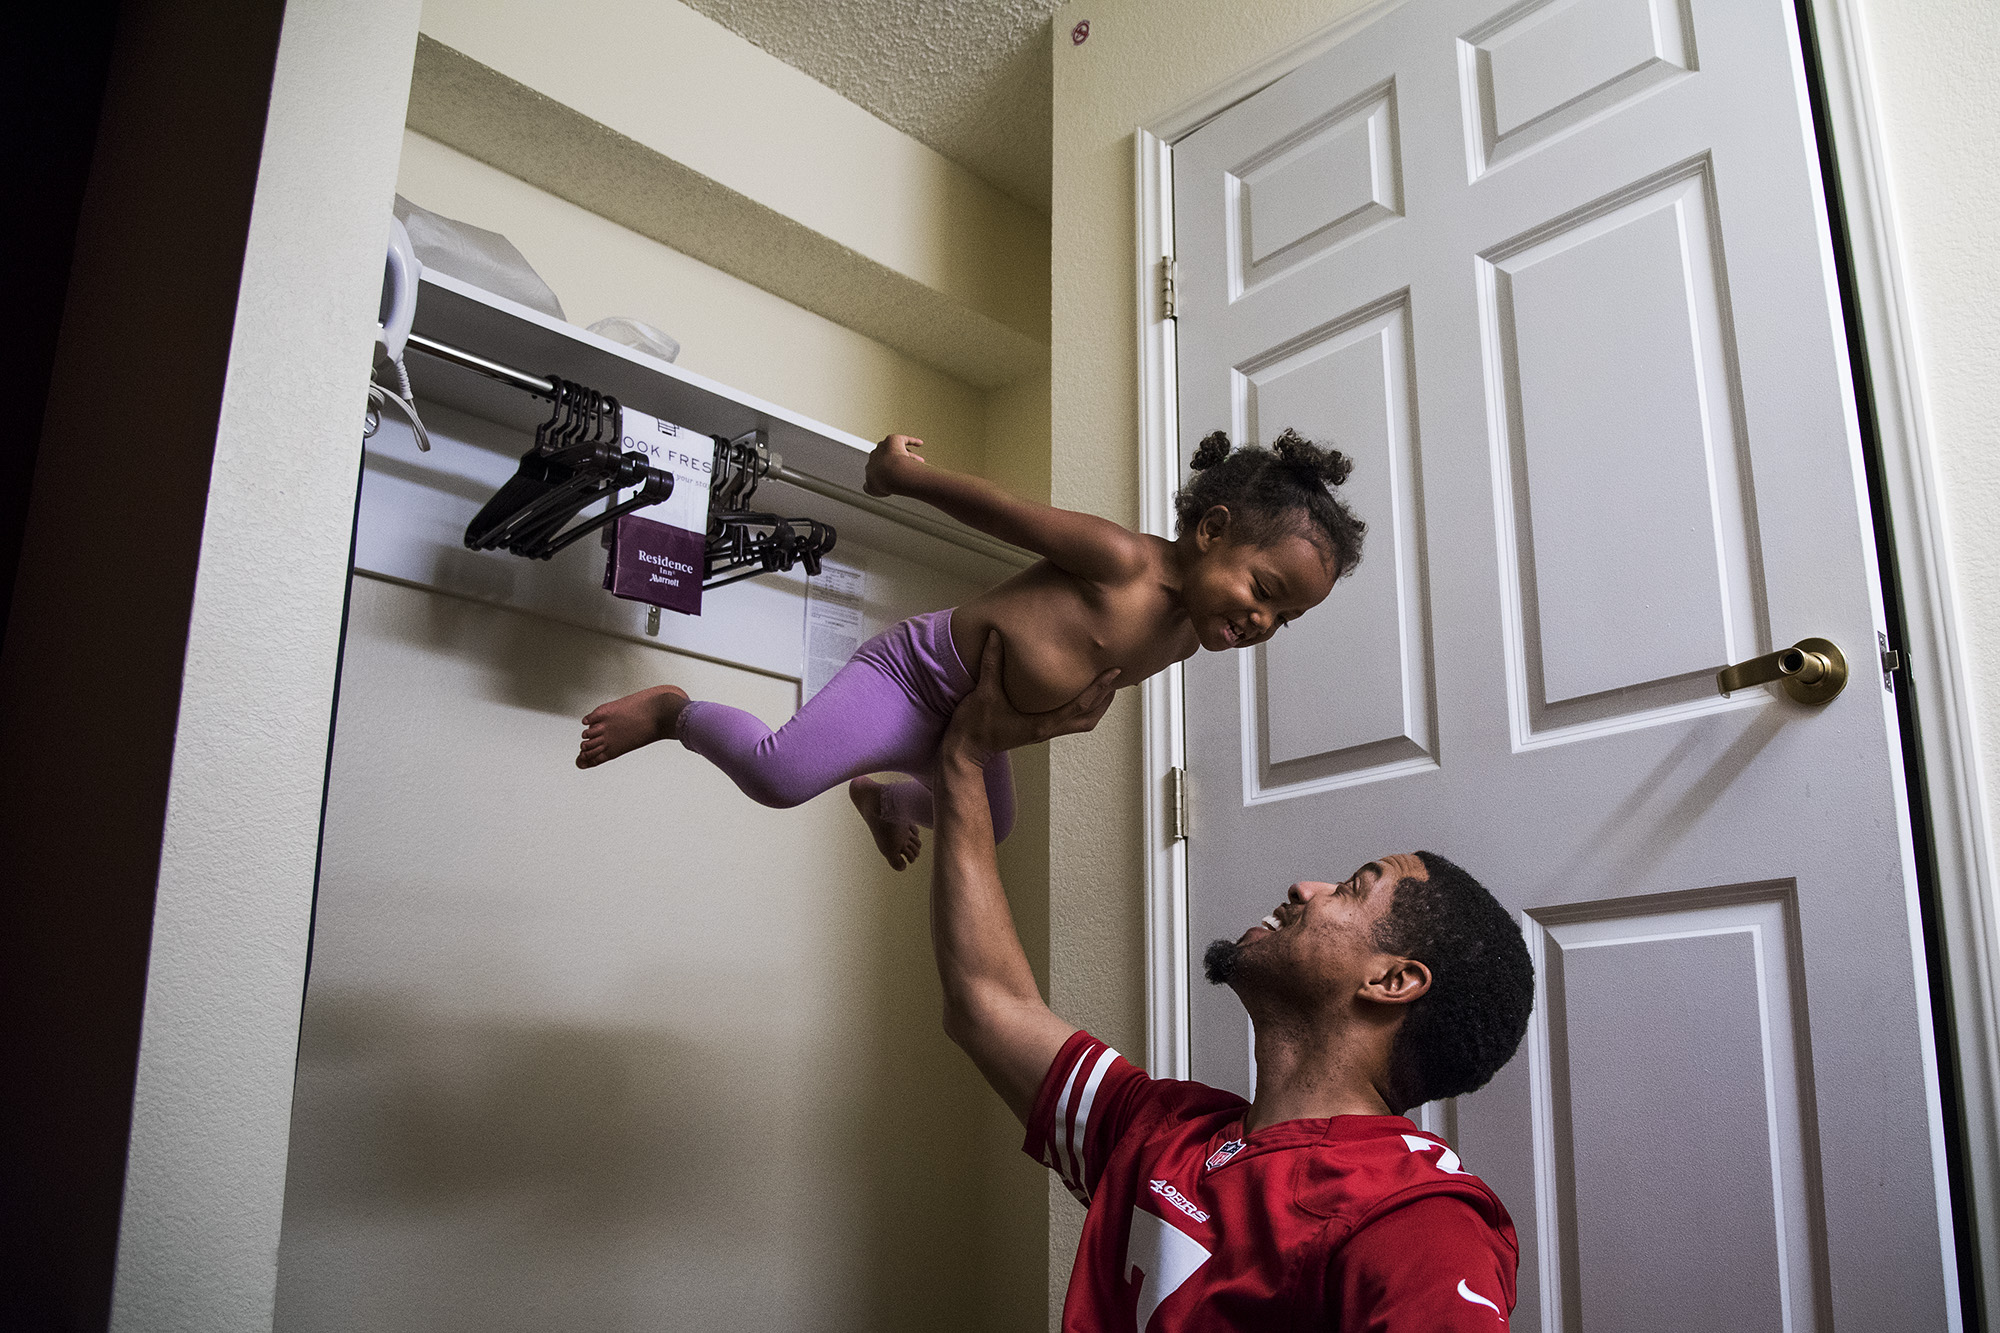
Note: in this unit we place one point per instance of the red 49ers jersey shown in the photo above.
(1363, 1224)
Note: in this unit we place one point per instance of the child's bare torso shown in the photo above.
(1059, 631)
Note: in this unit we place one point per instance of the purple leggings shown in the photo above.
(883, 712)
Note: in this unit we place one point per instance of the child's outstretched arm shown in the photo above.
(1087, 546)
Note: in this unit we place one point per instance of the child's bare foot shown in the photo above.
(623, 725)
(898, 842)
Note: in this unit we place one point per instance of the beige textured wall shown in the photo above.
(619, 1049)
(1017, 437)
(1939, 122)
(1935, 83)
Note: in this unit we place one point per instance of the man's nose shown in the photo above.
(1300, 893)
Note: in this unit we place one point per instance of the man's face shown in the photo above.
(1319, 945)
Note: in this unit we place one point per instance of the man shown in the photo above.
(1315, 1206)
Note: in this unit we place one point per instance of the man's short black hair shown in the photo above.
(1459, 1033)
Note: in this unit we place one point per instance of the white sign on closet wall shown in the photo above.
(835, 623)
(689, 455)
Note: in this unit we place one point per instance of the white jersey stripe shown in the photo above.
(1081, 1123)
(1059, 1124)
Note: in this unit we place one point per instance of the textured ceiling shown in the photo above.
(970, 78)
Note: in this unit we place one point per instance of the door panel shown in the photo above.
(1564, 291)
(1633, 560)
(1624, 567)
(1315, 189)
(1351, 383)
(1704, 987)
(1541, 70)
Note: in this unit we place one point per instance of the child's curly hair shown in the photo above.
(1275, 492)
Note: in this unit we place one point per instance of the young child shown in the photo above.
(1261, 541)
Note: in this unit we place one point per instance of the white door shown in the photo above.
(1558, 276)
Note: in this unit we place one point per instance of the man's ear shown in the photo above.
(1213, 528)
(1398, 981)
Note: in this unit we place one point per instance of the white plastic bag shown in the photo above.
(486, 259)
(639, 335)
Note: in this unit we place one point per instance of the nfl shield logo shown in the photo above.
(1224, 1153)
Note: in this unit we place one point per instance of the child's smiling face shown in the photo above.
(1239, 593)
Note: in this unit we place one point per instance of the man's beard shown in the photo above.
(1220, 961)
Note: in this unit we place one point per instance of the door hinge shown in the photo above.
(1177, 804)
(1170, 276)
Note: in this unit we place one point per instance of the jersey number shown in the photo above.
(1447, 1159)
(1163, 1256)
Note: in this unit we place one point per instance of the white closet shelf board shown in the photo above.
(454, 312)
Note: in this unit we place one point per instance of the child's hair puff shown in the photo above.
(1283, 490)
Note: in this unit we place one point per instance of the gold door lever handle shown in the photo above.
(1813, 671)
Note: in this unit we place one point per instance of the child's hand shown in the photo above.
(892, 460)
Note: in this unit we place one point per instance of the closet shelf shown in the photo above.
(822, 465)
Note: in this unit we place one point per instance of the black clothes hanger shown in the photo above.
(574, 463)
(744, 545)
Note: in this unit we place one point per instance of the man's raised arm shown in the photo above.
(992, 1007)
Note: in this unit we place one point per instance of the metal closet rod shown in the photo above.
(976, 542)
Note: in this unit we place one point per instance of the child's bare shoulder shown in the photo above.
(1110, 554)
(1146, 557)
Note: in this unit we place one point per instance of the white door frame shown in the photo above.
(1951, 782)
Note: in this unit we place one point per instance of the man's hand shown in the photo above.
(987, 722)
(890, 461)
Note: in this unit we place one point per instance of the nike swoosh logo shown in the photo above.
(1469, 1294)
